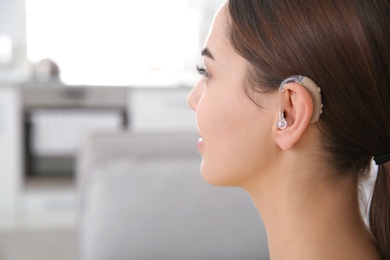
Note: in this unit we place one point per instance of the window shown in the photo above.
(113, 42)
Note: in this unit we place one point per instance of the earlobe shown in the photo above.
(297, 113)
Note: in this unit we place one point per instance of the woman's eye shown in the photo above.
(204, 73)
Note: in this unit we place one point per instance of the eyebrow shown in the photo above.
(206, 52)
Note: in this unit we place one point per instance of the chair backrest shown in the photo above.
(142, 197)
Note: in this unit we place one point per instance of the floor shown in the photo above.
(45, 228)
(38, 245)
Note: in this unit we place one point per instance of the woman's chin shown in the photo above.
(216, 178)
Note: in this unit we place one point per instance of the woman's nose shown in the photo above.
(194, 96)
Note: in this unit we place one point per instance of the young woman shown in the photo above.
(293, 105)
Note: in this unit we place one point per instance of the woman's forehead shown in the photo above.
(217, 36)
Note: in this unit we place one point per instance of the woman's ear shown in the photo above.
(298, 109)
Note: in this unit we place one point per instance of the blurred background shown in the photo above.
(69, 68)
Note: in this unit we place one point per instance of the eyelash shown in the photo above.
(203, 72)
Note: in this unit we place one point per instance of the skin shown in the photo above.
(308, 214)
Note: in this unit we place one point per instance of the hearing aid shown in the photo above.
(315, 93)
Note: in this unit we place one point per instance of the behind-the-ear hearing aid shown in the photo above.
(315, 93)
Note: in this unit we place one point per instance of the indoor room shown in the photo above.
(194, 129)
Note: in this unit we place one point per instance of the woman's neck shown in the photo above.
(307, 216)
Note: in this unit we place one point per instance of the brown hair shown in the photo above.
(343, 45)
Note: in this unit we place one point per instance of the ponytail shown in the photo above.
(379, 216)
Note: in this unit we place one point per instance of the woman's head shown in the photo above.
(341, 45)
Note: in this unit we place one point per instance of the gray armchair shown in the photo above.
(142, 197)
